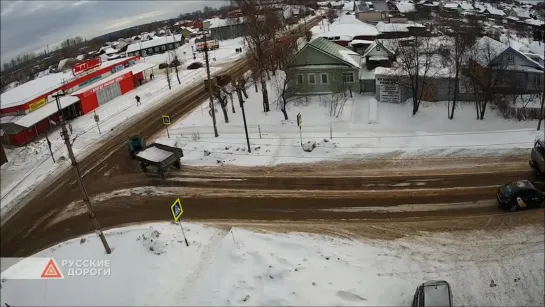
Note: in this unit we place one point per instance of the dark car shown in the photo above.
(433, 293)
(521, 194)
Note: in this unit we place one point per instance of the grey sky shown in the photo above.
(27, 26)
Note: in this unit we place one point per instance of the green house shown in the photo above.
(323, 67)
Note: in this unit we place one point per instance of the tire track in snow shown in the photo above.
(208, 257)
(277, 152)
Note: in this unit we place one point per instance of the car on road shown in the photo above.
(521, 194)
(433, 293)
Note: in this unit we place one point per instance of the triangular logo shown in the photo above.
(51, 270)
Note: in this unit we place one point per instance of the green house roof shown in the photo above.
(332, 49)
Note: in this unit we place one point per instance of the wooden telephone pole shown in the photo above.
(86, 200)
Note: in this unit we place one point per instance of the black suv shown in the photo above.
(521, 194)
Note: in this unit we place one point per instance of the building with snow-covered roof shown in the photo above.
(323, 67)
(511, 71)
(400, 30)
(492, 12)
(227, 28)
(26, 111)
(519, 13)
(405, 6)
(348, 28)
(372, 11)
(155, 46)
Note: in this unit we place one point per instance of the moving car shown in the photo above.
(521, 194)
(433, 293)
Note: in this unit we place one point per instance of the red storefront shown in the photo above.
(115, 85)
(24, 120)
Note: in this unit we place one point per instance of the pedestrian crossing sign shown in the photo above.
(176, 209)
(166, 119)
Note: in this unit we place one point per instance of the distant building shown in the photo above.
(228, 28)
(155, 46)
(372, 11)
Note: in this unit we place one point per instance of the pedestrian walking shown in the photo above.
(70, 127)
(137, 100)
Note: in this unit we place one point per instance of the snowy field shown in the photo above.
(29, 165)
(364, 129)
(151, 265)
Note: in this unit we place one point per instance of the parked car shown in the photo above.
(521, 194)
(433, 293)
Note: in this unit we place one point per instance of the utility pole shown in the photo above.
(209, 84)
(86, 199)
(49, 145)
(241, 101)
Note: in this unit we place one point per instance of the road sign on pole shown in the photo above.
(177, 211)
(166, 122)
(97, 119)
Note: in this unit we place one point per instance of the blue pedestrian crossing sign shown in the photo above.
(166, 119)
(177, 210)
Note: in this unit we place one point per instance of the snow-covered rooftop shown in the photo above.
(348, 25)
(494, 11)
(34, 88)
(451, 5)
(405, 6)
(219, 22)
(154, 42)
(42, 113)
(396, 27)
(487, 49)
(521, 13)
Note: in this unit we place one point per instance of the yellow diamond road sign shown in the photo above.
(176, 209)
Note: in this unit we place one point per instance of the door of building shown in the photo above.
(108, 93)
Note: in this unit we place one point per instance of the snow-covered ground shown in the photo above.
(363, 129)
(151, 265)
(29, 165)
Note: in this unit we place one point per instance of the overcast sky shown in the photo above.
(27, 26)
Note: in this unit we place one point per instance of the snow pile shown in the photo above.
(240, 267)
(150, 241)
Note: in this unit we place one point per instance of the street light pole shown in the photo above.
(86, 199)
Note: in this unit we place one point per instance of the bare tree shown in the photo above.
(418, 63)
(489, 70)
(331, 15)
(175, 63)
(458, 46)
(261, 24)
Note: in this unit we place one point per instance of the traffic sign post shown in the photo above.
(166, 122)
(177, 211)
(97, 120)
(300, 124)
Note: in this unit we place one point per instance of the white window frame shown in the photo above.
(164, 47)
(176, 45)
(322, 79)
(297, 79)
(347, 73)
(378, 48)
(510, 57)
(313, 75)
(156, 49)
(150, 50)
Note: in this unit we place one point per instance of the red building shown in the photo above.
(24, 119)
